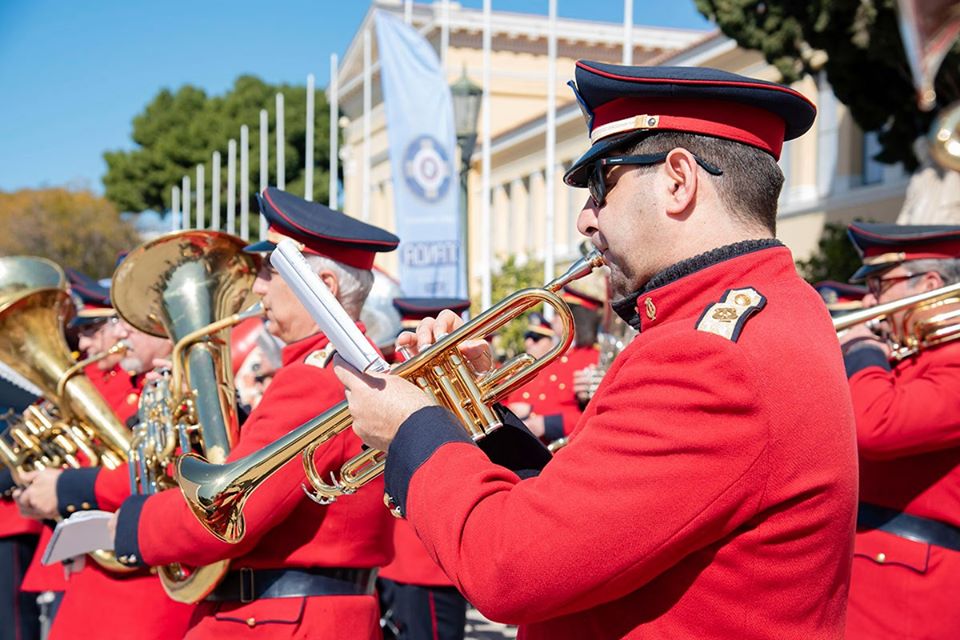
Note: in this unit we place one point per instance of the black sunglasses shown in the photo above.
(597, 181)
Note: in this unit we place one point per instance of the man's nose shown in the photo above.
(587, 219)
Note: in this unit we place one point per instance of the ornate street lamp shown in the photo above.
(466, 108)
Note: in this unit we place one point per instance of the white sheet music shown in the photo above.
(325, 309)
(81, 533)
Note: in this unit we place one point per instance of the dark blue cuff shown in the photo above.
(865, 356)
(553, 427)
(7, 485)
(75, 490)
(127, 540)
(419, 436)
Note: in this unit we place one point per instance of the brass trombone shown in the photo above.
(928, 319)
(217, 493)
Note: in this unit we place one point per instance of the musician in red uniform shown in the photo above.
(699, 496)
(136, 601)
(906, 565)
(548, 404)
(302, 570)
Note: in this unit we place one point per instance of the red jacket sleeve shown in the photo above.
(671, 458)
(112, 487)
(911, 410)
(298, 393)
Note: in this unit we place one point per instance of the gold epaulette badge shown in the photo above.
(727, 317)
(321, 357)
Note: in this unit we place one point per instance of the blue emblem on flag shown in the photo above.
(426, 168)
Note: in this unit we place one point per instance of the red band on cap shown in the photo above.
(927, 250)
(359, 258)
(719, 118)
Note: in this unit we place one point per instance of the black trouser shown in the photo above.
(18, 610)
(412, 612)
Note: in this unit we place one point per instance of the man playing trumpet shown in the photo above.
(699, 496)
(301, 570)
(906, 566)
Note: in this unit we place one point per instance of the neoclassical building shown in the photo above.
(829, 174)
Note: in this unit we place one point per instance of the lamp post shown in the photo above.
(466, 108)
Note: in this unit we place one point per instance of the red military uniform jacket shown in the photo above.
(709, 491)
(411, 562)
(908, 429)
(284, 528)
(118, 388)
(98, 603)
(551, 394)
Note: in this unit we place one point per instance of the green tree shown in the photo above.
(511, 278)
(864, 59)
(835, 258)
(178, 130)
(73, 228)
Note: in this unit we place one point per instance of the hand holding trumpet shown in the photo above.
(380, 403)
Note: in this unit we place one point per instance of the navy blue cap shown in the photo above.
(884, 246)
(320, 230)
(94, 298)
(840, 297)
(413, 310)
(623, 104)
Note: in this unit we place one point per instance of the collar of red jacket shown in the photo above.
(297, 351)
(690, 286)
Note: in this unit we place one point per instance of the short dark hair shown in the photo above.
(751, 181)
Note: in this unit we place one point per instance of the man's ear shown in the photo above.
(931, 280)
(330, 279)
(683, 181)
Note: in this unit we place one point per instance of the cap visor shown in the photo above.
(577, 175)
(866, 271)
(264, 246)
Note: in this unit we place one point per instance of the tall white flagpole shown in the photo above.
(281, 146)
(215, 193)
(308, 167)
(367, 99)
(627, 32)
(201, 187)
(244, 182)
(175, 209)
(185, 193)
(232, 187)
(486, 225)
(550, 172)
(408, 11)
(264, 164)
(334, 131)
(444, 33)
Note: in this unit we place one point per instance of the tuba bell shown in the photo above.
(217, 492)
(34, 309)
(189, 286)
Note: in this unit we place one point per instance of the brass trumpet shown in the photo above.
(217, 493)
(929, 319)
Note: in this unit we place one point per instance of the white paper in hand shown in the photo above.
(81, 533)
(324, 308)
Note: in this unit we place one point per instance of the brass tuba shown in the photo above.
(928, 319)
(189, 286)
(34, 309)
(218, 492)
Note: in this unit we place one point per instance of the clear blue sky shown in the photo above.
(74, 73)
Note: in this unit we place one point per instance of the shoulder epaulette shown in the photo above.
(321, 357)
(727, 317)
